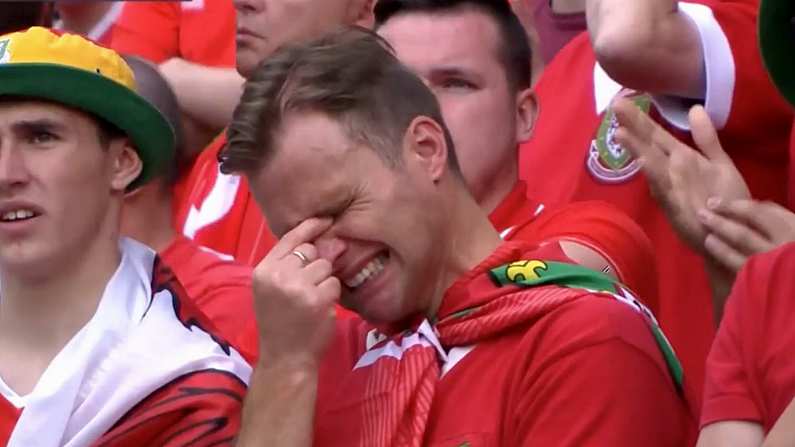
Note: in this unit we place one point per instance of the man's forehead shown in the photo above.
(28, 109)
(444, 38)
(306, 170)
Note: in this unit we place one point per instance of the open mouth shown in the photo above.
(18, 215)
(369, 272)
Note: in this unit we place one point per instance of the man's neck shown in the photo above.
(39, 315)
(83, 17)
(149, 221)
(498, 190)
(472, 239)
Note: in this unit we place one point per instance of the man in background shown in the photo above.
(220, 287)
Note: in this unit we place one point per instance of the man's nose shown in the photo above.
(330, 248)
(12, 167)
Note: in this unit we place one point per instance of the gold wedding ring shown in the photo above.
(301, 256)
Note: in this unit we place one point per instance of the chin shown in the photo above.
(246, 62)
(21, 260)
(390, 321)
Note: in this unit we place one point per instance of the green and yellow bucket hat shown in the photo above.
(73, 71)
(777, 43)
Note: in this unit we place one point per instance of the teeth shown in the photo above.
(17, 215)
(369, 271)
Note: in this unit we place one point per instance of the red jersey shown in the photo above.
(200, 31)
(102, 31)
(585, 373)
(221, 288)
(218, 211)
(792, 171)
(146, 369)
(597, 225)
(574, 136)
(176, 415)
(750, 372)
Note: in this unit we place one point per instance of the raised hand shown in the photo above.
(681, 178)
(294, 297)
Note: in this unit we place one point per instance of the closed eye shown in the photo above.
(457, 84)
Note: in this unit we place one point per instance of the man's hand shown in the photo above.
(681, 178)
(294, 297)
(742, 228)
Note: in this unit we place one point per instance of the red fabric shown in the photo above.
(242, 231)
(792, 170)
(221, 289)
(106, 38)
(200, 31)
(200, 409)
(544, 357)
(597, 225)
(750, 372)
(9, 415)
(754, 136)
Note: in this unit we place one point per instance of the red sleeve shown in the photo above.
(750, 375)
(601, 382)
(149, 30)
(756, 136)
(200, 409)
(727, 389)
(610, 232)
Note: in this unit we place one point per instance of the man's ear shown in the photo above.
(425, 146)
(361, 13)
(127, 165)
(526, 114)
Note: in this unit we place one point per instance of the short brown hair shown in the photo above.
(351, 76)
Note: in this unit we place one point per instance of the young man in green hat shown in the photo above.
(98, 342)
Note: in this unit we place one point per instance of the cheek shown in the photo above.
(466, 118)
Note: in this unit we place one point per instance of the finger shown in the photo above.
(647, 131)
(748, 211)
(308, 250)
(330, 288)
(653, 162)
(772, 220)
(306, 231)
(318, 271)
(743, 238)
(634, 131)
(723, 253)
(705, 136)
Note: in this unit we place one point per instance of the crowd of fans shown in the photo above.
(397, 223)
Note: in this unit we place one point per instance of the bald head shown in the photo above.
(155, 89)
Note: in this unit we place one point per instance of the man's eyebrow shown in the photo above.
(43, 124)
(449, 70)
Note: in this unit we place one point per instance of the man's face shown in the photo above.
(55, 179)
(265, 25)
(456, 54)
(388, 219)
